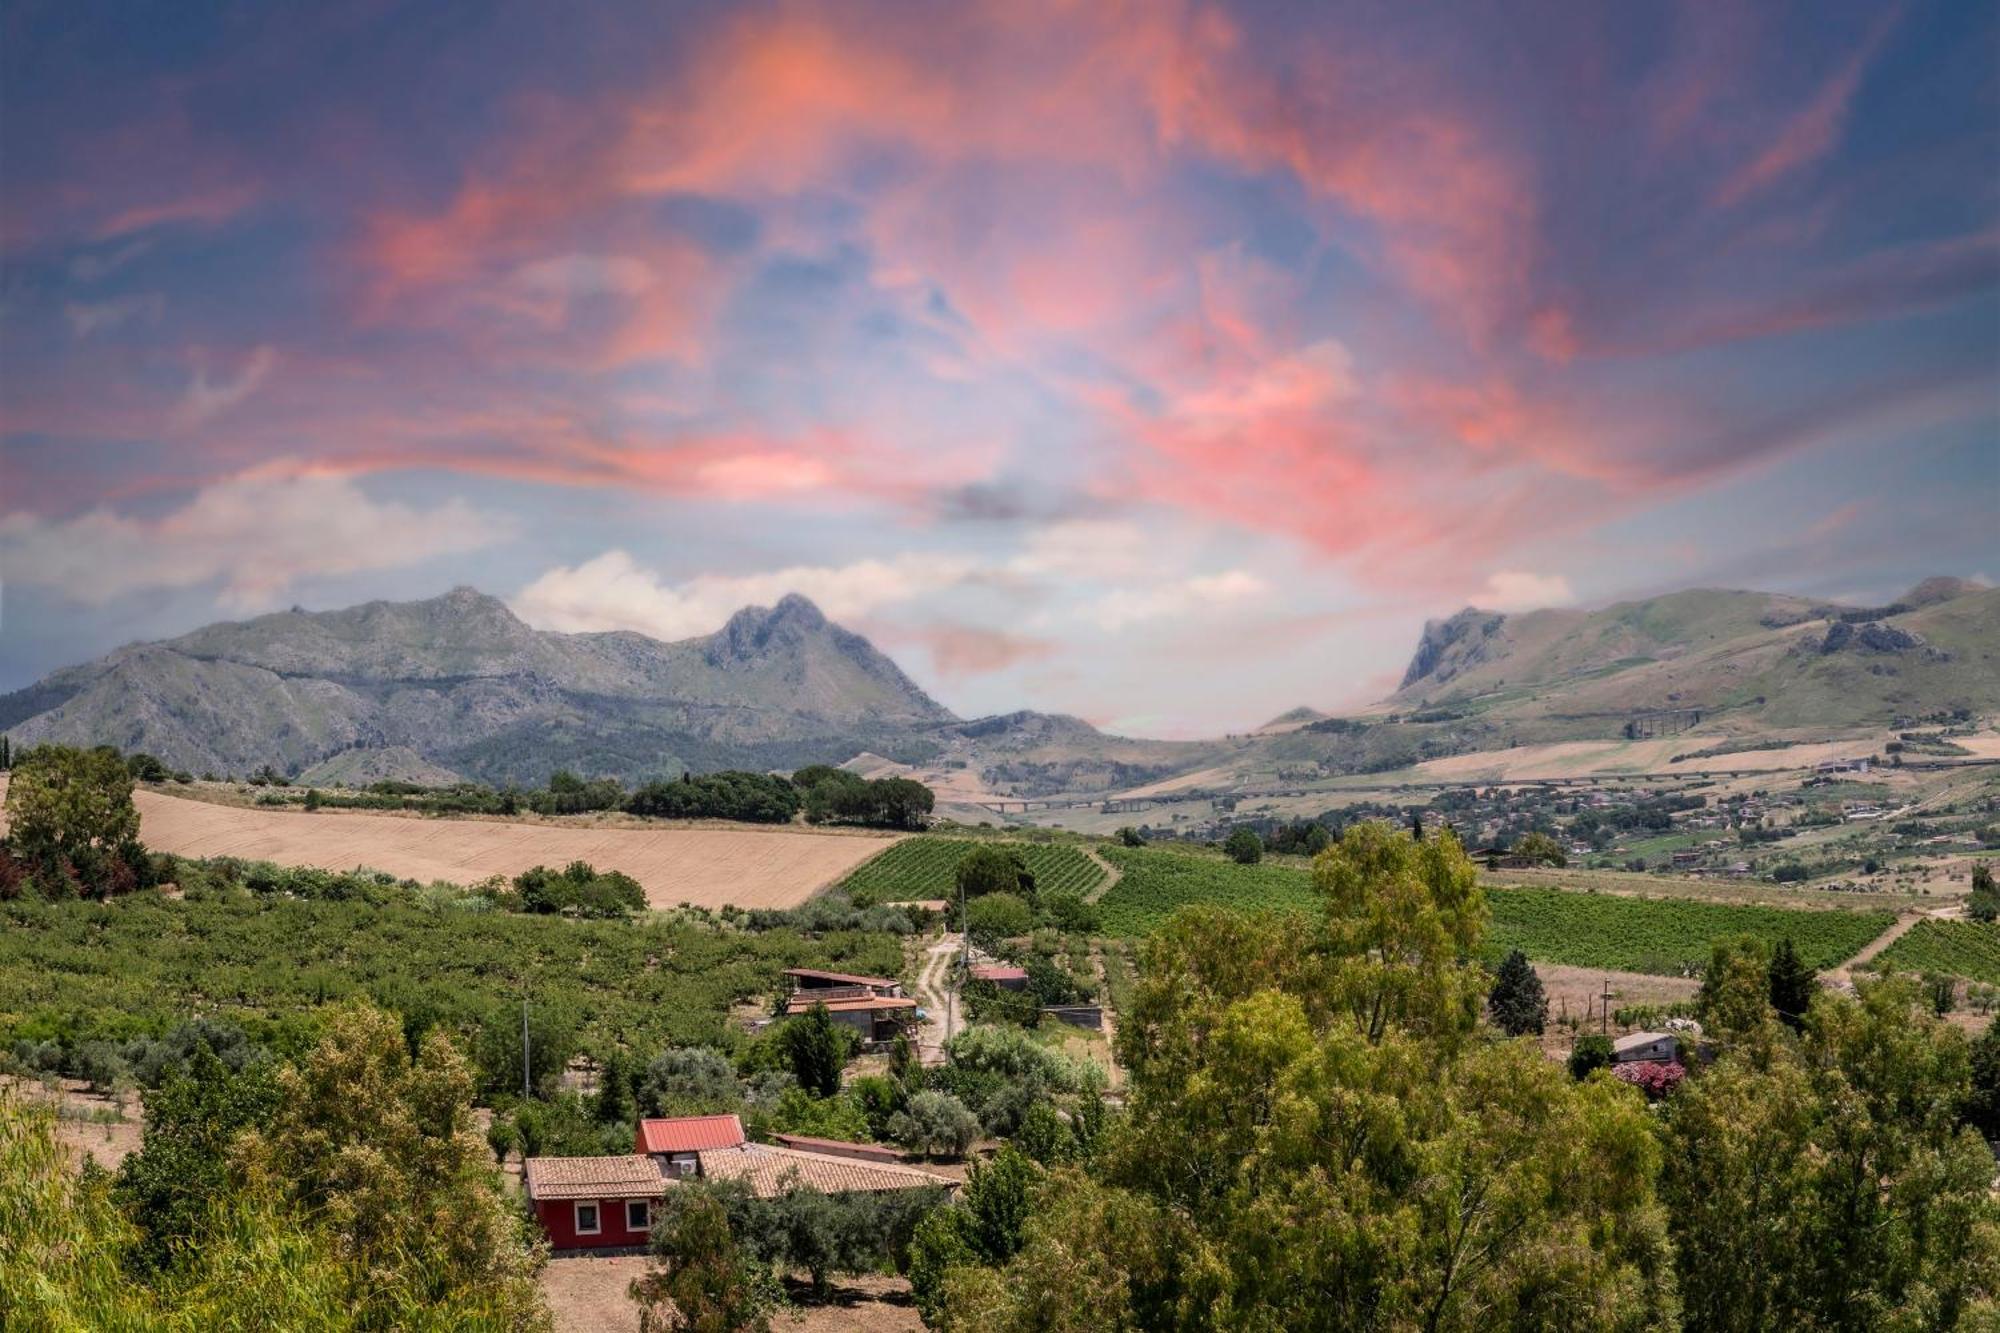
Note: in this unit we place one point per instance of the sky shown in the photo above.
(1165, 364)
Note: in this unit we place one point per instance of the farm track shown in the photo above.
(1112, 874)
(744, 866)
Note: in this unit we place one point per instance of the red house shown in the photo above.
(595, 1202)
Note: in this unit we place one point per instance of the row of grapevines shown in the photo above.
(1660, 935)
(926, 867)
(1969, 949)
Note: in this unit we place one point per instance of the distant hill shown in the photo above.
(460, 685)
(1747, 660)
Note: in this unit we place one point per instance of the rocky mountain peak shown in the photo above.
(1449, 646)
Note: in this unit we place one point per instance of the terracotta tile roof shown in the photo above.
(999, 972)
(870, 1152)
(845, 978)
(632, 1177)
(804, 1001)
(690, 1133)
(772, 1171)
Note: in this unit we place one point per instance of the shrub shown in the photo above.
(936, 1124)
(998, 916)
(1244, 846)
(1655, 1078)
(1592, 1051)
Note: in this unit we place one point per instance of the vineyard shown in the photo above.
(1153, 884)
(919, 868)
(1665, 936)
(1968, 949)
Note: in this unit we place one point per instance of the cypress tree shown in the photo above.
(1519, 1005)
(1792, 984)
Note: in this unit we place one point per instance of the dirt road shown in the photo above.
(941, 1005)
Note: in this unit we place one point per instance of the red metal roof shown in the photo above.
(690, 1133)
(846, 978)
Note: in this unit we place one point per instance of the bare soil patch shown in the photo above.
(1577, 992)
(589, 1295)
(88, 1123)
(705, 866)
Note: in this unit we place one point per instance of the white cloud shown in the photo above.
(613, 591)
(1205, 593)
(1518, 590)
(1086, 548)
(257, 534)
(204, 399)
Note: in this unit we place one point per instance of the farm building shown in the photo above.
(1645, 1046)
(812, 981)
(594, 1202)
(771, 1171)
(1004, 975)
(875, 1017)
(608, 1202)
(672, 1144)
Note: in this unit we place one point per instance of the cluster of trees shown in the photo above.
(1003, 901)
(836, 796)
(578, 889)
(1984, 902)
(1321, 1133)
(345, 1190)
(73, 830)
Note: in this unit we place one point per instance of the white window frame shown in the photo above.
(646, 1222)
(596, 1207)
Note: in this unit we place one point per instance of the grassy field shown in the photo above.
(139, 964)
(1663, 936)
(919, 868)
(1968, 949)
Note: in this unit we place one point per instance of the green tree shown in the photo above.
(69, 808)
(992, 868)
(1540, 849)
(703, 1282)
(1984, 902)
(1735, 996)
(998, 916)
(1982, 1104)
(552, 1041)
(1792, 985)
(380, 1149)
(936, 1124)
(1131, 837)
(1517, 1002)
(690, 1080)
(1592, 1051)
(1827, 1184)
(1243, 845)
(169, 1186)
(817, 1049)
(615, 1104)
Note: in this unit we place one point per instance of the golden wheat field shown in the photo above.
(705, 866)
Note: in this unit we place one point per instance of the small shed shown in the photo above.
(1645, 1046)
(1004, 975)
(806, 980)
(875, 1017)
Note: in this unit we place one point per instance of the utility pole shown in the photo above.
(1604, 1010)
(527, 1085)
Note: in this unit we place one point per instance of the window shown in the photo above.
(686, 1166)
(638, 1215)
(587, 1223)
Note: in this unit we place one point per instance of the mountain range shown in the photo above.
(458, 686)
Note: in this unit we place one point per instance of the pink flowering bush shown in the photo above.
(1655, 1078)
